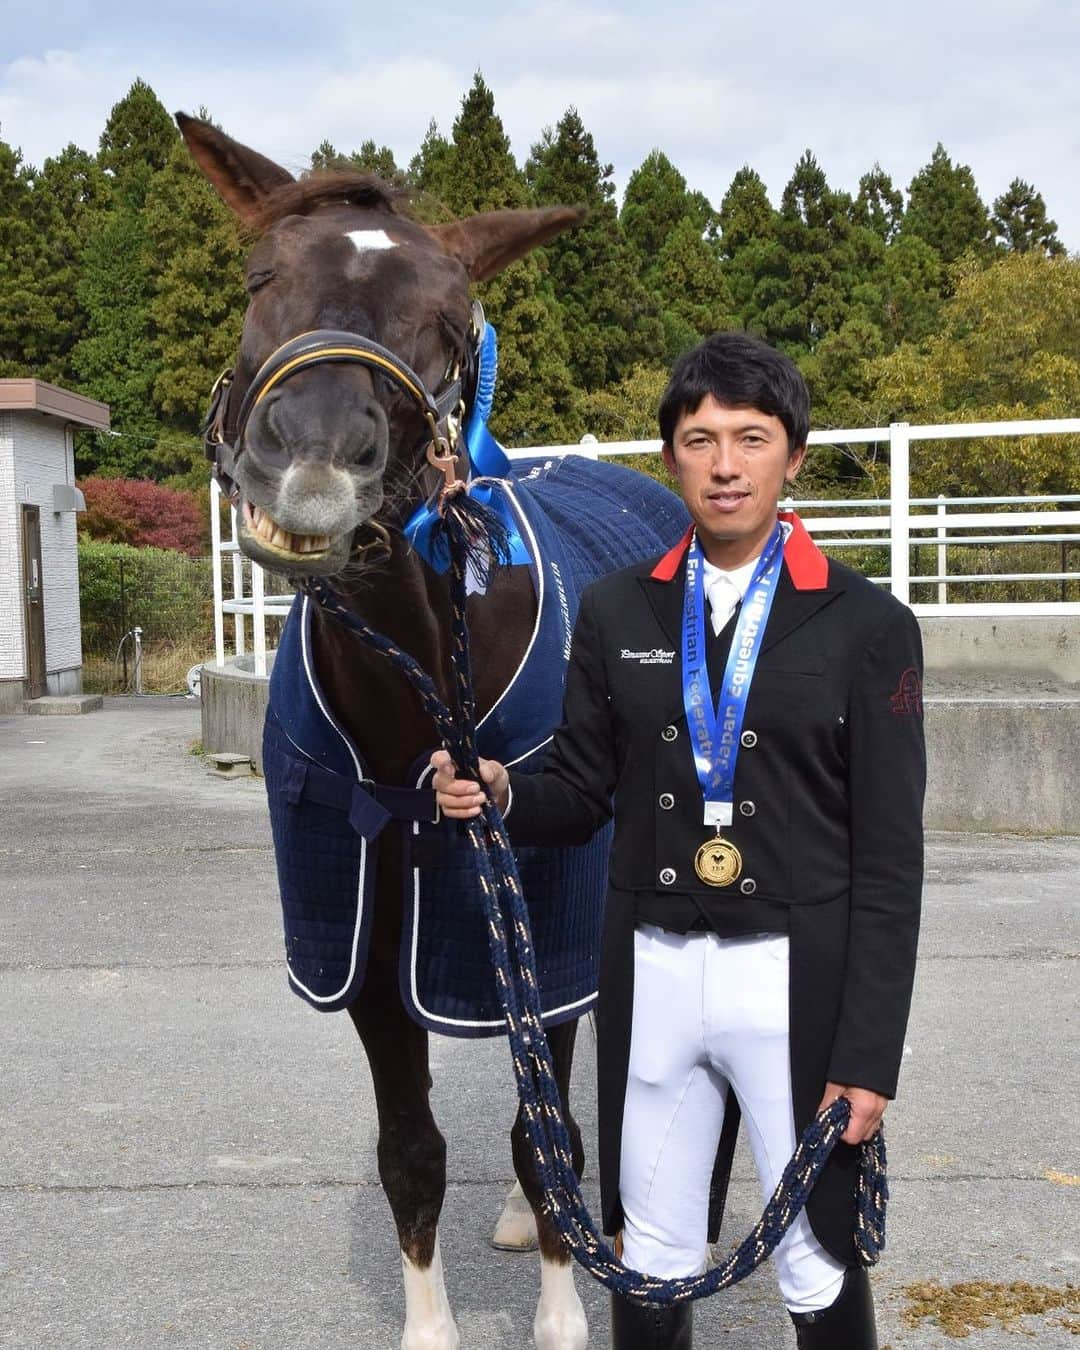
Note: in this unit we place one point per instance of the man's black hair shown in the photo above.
(739, 371)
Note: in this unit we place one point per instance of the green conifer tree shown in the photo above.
(945, 209)
(427, 175)
(750, 248)
(610, 320)
(656, 200)
(326, 156)
(24, 314)
(70, 197)
(823, 257)
(118, 359)
(536, 391)
(1020, 221)
(879, 206)
(136, 142)
(911, 280)
(197, 307)
(746, 215)
(370, 158)
(694, 293)
(481, 173)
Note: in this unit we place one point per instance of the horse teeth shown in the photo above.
(264, 525)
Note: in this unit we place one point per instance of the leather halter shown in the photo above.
(443, 413)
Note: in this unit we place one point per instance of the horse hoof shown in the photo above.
(516, 1228)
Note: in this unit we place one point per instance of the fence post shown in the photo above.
(258, 619)
(238, 587)
(215, 552)
(123, 623)
(900, 511)
(942, 552)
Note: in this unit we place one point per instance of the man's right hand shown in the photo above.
(460, 798)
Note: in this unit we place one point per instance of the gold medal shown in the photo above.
(718, 862)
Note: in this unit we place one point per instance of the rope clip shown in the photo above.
(441, 456)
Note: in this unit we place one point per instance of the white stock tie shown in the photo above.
(723, 597)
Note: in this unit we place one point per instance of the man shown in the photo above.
(763, 758)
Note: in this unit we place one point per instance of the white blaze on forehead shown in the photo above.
(364, 239)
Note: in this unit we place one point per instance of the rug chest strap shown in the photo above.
(369, 806)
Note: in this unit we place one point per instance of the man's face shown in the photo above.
(732, 465)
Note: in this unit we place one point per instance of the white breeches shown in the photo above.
(709, 1012)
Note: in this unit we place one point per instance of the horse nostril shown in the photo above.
(365, 458)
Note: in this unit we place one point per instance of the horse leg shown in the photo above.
(412, 1162)
(560, 1319)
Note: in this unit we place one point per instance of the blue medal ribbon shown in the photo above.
(715, 732)
(487, 459)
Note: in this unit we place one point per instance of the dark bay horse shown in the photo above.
(327, 456)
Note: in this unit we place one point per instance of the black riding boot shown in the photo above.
(847, 1324)
(644, 1327)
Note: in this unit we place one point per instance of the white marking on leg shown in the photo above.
(515, 1230)
(560, 1319)
(362, 240)
(429, 1323)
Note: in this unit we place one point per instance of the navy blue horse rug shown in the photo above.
(577, 520)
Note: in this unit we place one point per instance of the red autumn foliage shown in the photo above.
(140, 512)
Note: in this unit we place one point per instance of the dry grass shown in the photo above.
(960, 1309)
(164, 668)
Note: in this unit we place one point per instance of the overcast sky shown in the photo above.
(714, 85)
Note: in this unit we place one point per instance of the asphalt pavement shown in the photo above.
(187, 1151)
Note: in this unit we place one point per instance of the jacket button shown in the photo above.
(667, 876)
(748, 886)
(669, 733)
(749, 739)
(667, 801)
(747, 808)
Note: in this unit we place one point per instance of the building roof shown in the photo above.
(37, 396)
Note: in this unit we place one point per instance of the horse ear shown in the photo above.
(487, 243)
(242, 178)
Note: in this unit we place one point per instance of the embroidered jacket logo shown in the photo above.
(656, 656)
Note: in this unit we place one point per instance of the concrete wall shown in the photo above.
(35, 453)
(234, 703)
(1023, 646)
(1005, 765)
(12, 694)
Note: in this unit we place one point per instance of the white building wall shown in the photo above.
(12, 644)
(43, 456)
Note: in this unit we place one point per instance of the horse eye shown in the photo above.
(258, 280)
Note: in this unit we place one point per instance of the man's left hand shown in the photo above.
(867, 1109)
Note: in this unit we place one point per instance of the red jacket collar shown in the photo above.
(807, 566)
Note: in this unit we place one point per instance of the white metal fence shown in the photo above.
(898, 523)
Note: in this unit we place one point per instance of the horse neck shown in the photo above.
(406, 601)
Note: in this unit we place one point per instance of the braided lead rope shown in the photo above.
(519, 996)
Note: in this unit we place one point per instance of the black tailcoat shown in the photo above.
(828, 818)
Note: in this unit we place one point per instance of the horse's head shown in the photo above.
(330, 429)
